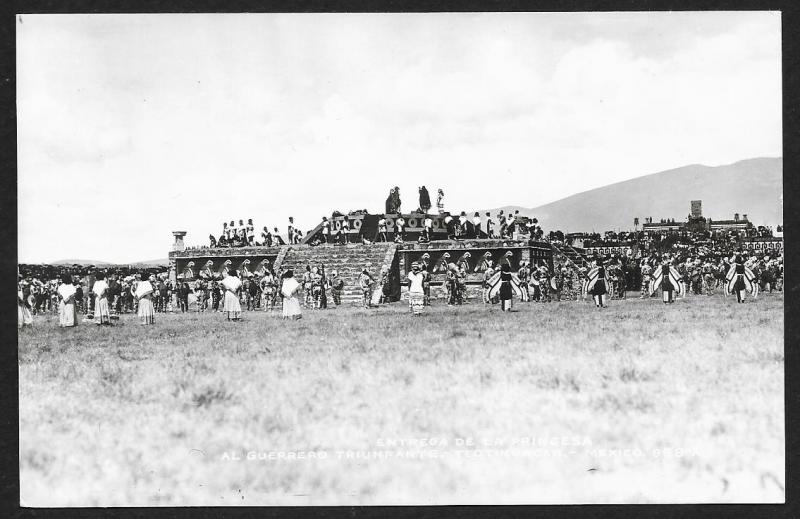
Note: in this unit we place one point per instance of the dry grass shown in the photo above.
(145, 415)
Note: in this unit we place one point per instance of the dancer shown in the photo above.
(668, 280)
(232, 285)
(597, 285)
(740, 280)
(289, 291)
(504, 285)
(416, 292)
(102, 312)
(365, 282)
(144, 295)
(337, 285)
(24, 316)
(67, 314)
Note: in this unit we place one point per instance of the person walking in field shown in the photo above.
(24, 315)
(316, 288)
(254, 292)
(668, 281)
(416, 292)
(506, 290)
(232, 285)
(102, 312)
(365, 282)
(114, 296)
(597, 285)
(183, 297)
(558, 281)
(268, 291)
(163, 293)
(337, 285)
(488, 274)
(524, 275)
(289, 290)
(544, 284)
(216, 297)
(144, 295)
(67, 314)
(709, 281)
(426, 284)
(740, 280)
(646, 271)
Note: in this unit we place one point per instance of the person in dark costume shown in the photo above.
(393, 201)
(506, 291)
(396, 199)
(524, 275)
(424, 199)
(739, 286)
(667, 290)
(598, 287)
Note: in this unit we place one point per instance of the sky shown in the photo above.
(133, 126)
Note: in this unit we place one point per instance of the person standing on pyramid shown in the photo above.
(424, 200)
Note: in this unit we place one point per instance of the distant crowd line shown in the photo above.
(102, 298)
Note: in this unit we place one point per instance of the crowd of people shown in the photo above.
(697, 263)
(102, 297)
(459, 226)
(244, 235)
(99, 296)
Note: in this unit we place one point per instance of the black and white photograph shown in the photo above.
(443, 258)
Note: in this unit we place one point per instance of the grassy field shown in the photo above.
(562, 402)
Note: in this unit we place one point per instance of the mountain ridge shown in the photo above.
(750, 186)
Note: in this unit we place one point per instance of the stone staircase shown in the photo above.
(348, 260)
(571, 254)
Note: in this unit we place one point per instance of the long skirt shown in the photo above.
(291, 306)
(599, 288)
(505, 290)
(102, 311)
(416, 301)
(232, 306)
(24, 317)
(146, 312)
(67, 314)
